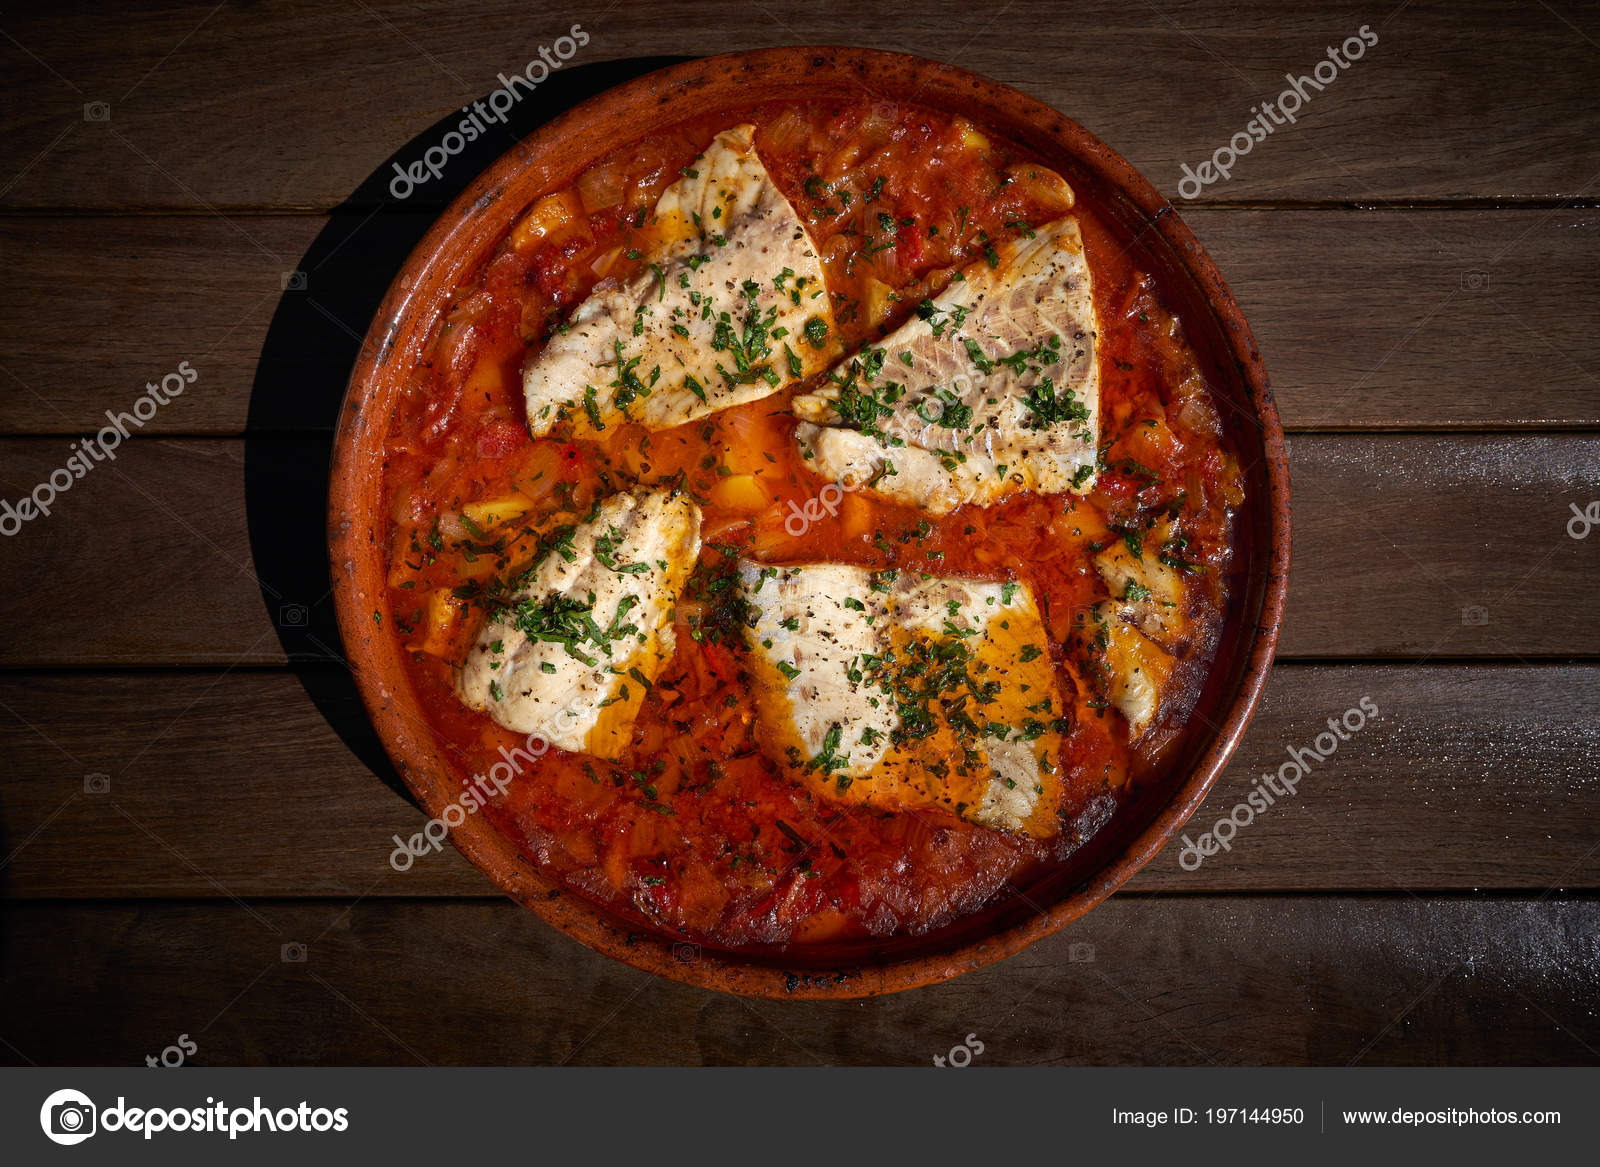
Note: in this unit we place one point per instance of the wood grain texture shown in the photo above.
(1169, 981)
(1416, 546)
(1367, 319)
(1472, 777)
(1417, 253)
(1373, 319)
(1425, 547)
(295, 104)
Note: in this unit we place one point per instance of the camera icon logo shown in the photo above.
(685, 953)
(96, 111)
(294, 281)
(292, 954)
(1474, 281)
(97, 783)
(293, 616)
(1474, 616)
(67, 1117)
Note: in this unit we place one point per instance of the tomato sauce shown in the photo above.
(697, 833)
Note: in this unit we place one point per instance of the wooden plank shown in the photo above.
(1405, 546)
(296, 105)
(1163, 981)
(1367, 319)
(1373, 319)
(1471, 777)
(155, 542)
(163, 290)
(1425, 547)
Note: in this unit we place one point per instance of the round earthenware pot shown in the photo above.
(552, 157)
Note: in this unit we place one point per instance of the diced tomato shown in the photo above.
(500, 437)
(913, 246)
(721, 662)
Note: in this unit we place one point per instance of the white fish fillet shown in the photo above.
(991, 390)
(718, 319)
(561, 661)
(1148, 594)
(802, 621)
(905, 693)
(1139, 671)
(1132, 635)
(1132, 670)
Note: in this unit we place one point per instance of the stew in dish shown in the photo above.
(821, 517)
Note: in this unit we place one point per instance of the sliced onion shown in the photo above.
(837, 249)
(601, 187)
(1051, 191)
(788, 132)
(838, 164)
(880, 122)
(450, 526)
(1196, 413)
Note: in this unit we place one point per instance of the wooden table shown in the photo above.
(196, 818)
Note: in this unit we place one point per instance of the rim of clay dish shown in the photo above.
(553, 156)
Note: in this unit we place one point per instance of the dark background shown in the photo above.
(195, 819)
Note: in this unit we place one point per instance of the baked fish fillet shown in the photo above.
(587, 626)
(991, 389)
(902, 692)
(1132, 636)
(731, 307)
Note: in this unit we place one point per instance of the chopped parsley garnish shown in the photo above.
(591, 406)
(829, 758)
(1049, 408)
(605, 552)
(570, 623)
(750, 343)
(1175, 555)
(952, 412)
(976, 356)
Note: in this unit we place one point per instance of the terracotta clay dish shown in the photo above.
(809, 522)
